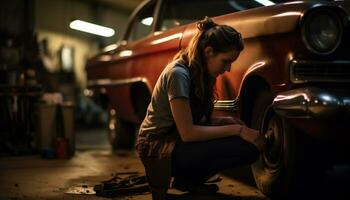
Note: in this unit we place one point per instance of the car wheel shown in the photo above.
(121, 134)
(285, 165)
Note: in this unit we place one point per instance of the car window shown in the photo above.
(142, 23)
(180, 12)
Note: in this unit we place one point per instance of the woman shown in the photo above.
(178, 136)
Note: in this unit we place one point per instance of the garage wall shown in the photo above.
(52, 20)
(83, 49)
(55, 15)
(16, 16)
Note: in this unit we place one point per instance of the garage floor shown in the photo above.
(31, 177)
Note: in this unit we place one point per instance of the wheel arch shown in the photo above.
(140, 95)
(248, 93)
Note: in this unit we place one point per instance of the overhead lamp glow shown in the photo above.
(91, 28)
(265, 2)
(147, 21)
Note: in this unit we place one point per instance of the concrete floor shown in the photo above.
(31, 177)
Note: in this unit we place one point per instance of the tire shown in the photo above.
(285, 168)
(121, 134)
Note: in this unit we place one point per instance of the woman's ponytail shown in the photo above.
(206, 24)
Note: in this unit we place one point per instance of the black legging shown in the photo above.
(194, 162)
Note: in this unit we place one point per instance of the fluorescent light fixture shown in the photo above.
(147, 21)
(91, 28)
(265, 2)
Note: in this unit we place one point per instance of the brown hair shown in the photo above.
(221, 38)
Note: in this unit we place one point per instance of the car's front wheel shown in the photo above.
(285, 165)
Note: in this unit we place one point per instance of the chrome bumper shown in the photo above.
(310, 102)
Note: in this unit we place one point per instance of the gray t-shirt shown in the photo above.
(174, 82)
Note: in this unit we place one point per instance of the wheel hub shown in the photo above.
(274, 143)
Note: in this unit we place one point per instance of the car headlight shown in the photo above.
(322, 31)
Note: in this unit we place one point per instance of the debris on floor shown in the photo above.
(81, 189)
(126, 183)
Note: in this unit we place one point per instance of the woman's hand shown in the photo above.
(253, 136)
(225, 120)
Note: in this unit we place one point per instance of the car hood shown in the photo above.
(268, 20)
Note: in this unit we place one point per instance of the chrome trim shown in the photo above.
(230, 105)
(309, 102)
(321, 64)
(113, 82)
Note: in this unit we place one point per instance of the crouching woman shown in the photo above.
(178, 137)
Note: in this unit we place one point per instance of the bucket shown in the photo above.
(61, 148)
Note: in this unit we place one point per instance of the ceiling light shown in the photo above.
(91, 28)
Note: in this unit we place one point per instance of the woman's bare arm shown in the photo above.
(225, 120)
(190, 132)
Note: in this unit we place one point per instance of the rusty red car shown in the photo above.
(293, 77)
